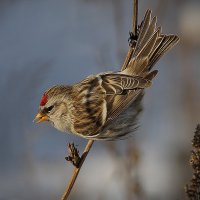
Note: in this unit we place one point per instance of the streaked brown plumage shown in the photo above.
(106, 106)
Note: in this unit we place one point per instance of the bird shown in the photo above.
(106, 106)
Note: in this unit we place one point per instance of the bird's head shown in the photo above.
(52, 104)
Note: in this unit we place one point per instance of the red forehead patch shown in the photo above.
(43, 100)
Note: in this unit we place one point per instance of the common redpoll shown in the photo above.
(106, 106)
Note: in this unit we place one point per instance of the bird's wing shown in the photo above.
(118, 103)
(117, 84)
(121, 90)
(101, 98)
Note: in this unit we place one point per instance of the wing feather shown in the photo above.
(117, 84)
(120, 103)
(121, 90)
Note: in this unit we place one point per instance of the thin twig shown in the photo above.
(135, 17)
(77, 169)
(134, 32)
(90, 142)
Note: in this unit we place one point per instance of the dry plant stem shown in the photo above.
(90, 142)
(193, 188)
(135, 17)
(134, 31)
(128, 58)
(76, 170)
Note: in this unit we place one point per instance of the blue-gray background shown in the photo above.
(48, 42)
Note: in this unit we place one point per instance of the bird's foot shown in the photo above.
(73, 157)
(133, 37)
(132, 40)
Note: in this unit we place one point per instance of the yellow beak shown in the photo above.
(40, 117)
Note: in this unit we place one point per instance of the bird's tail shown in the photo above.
(150, 46)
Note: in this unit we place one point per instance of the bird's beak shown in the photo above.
(40, 117)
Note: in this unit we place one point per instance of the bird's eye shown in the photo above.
(49, 109)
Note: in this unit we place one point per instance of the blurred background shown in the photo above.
(47, 42)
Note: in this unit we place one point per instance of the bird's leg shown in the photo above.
(73, 157)
(133, 37)
(132, 40)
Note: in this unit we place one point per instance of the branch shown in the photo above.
(133, 34)
(74, 157)
(77, 166)
(135, 17)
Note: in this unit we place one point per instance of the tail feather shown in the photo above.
(143, 30)
(150, 31)
(139, 64)
(146, 36)
(157, 45)
(168, 42)
(150, 46)
(136, 65)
